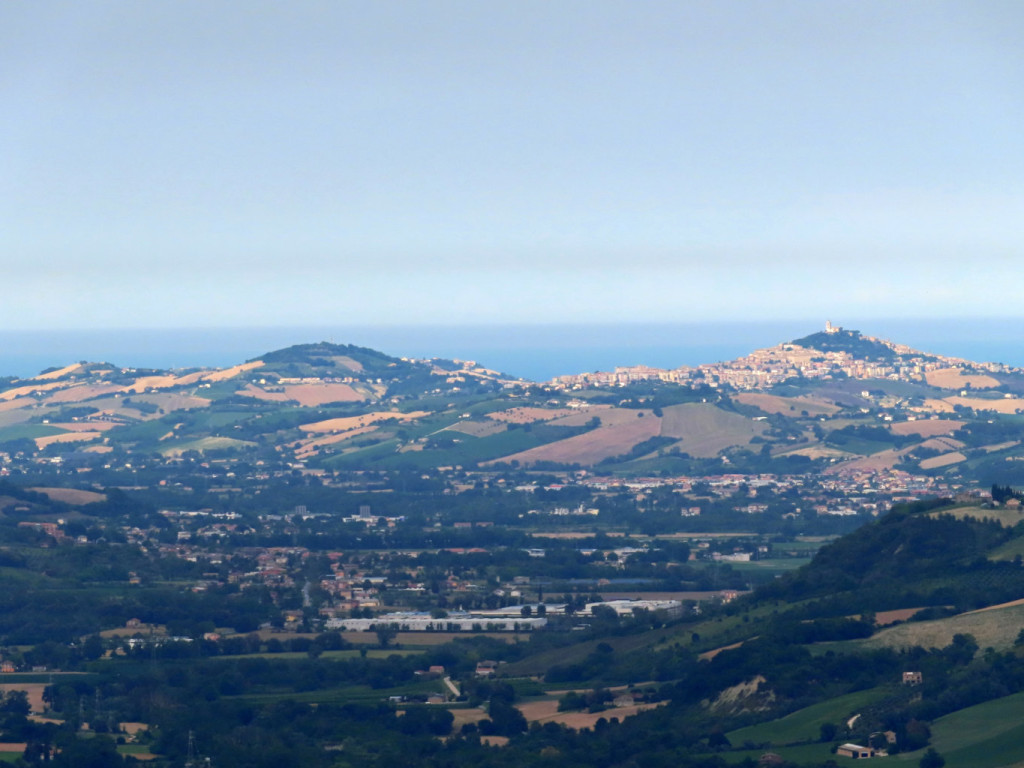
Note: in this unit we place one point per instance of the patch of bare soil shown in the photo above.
(34, 691)
(883, 618)
(353, 422)
(955, 378)
(708, 655)
(318, 394)
(926, 427)
(590, 447)
(82, 392)
(547, 712)
(528, 415)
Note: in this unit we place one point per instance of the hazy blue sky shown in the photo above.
(180, 163)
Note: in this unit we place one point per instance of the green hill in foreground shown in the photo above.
(989, 735)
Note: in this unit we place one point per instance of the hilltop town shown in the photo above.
(765, 368)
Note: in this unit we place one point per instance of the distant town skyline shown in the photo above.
(196, 164)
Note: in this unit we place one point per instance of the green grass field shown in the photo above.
(133, 749)
(469, 450)
(805, 754)
(771, 567)
(996, 628)
(989, 735)
(207, 444)
(1009, 550)
(803, 725)
(30, 431)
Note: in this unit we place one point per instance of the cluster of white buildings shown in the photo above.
(513, 618)
(773, 365)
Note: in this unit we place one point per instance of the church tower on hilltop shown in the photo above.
(829, 328)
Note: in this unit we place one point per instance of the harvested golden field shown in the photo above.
(66, 437)
(251, 390)
(591, 447)
(143, 383)
(478, 428)
(10, 394)
(1009, 405)
(84, 426)
(345, 361)
(310, 446)
(72, 496)
(81, 392)
(13, 405)
(230, 373)
(881, 460)
(354, 422)
(59, 372)
(704, 430)
(789, 406)
(529, 415)
(318, 394)
(547, 712)
(945, 460)
(610, 416)
(884, 618)
(190, 378)
(943, 444)
(955, 378)
(926, 427)
(34, 691)
(308, 395)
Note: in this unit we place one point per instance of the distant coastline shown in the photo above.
(534, 352)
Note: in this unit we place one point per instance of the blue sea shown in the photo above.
(534, 352)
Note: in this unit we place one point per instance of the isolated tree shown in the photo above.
(385, 634)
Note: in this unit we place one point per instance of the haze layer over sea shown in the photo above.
(534, 352)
